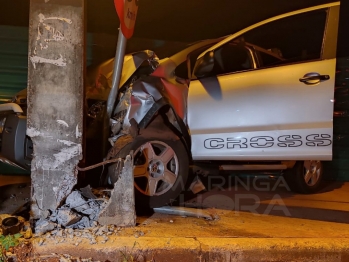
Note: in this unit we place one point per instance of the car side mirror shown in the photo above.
(204, 65)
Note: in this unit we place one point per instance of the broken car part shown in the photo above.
(184, 211)
(197, 186)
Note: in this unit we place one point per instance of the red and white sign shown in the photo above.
(127, 12)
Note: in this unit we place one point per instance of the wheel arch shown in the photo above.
(163, 114)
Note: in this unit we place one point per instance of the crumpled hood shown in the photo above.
(99, 79)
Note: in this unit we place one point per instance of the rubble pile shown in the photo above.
(80, 210)
(97, 234)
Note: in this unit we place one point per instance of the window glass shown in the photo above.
(231, 57)
(185, 69)
(297, 38)
(266, 59)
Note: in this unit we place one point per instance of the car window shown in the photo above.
(298, 38)
(231, 57)
(184, 70)
(267, 59)
(295, 39)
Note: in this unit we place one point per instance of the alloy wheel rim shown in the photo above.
(312, 172)
(156, 168)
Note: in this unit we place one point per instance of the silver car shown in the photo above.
(259, 99)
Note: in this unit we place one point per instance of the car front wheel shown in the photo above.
(160, 170)
(305, 177)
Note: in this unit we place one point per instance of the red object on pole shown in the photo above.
(127, 12)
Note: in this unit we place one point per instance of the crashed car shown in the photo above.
(259, 99)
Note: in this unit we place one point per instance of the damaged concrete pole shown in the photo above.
(120, 209)
(55, 99)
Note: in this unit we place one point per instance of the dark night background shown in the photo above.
(177, 20)
(181, 20)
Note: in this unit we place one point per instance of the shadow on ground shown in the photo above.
(259, 195)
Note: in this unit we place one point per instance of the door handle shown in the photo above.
(313, 78)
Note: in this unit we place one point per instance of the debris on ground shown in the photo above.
(197, 186)
(43, 225)
(93, 235)
(186, 212)
(80, 210)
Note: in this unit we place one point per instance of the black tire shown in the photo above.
(296, 177)
(178, 165)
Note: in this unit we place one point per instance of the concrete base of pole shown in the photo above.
(120, 210)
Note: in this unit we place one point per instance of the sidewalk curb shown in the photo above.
(204, 249)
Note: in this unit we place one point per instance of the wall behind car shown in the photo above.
(13, 61)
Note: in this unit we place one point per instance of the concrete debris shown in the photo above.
(83, 223)
(60, 233)
(111, 228)
(76, 201)
(99, 232)
(93, 241)
(68, 258)
(98, 235)
(80, 210)
(87, 192)
(105, 228)
(139, 234)
(43, 225)
(67, 217)
(184, 211)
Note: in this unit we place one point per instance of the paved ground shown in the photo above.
(260, 220)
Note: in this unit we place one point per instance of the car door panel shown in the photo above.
(266, 114)
(280, 111)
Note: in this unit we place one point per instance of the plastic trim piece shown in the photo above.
(253, 167)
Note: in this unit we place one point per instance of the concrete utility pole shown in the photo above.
(55, 98)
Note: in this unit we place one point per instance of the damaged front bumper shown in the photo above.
(142, 98)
